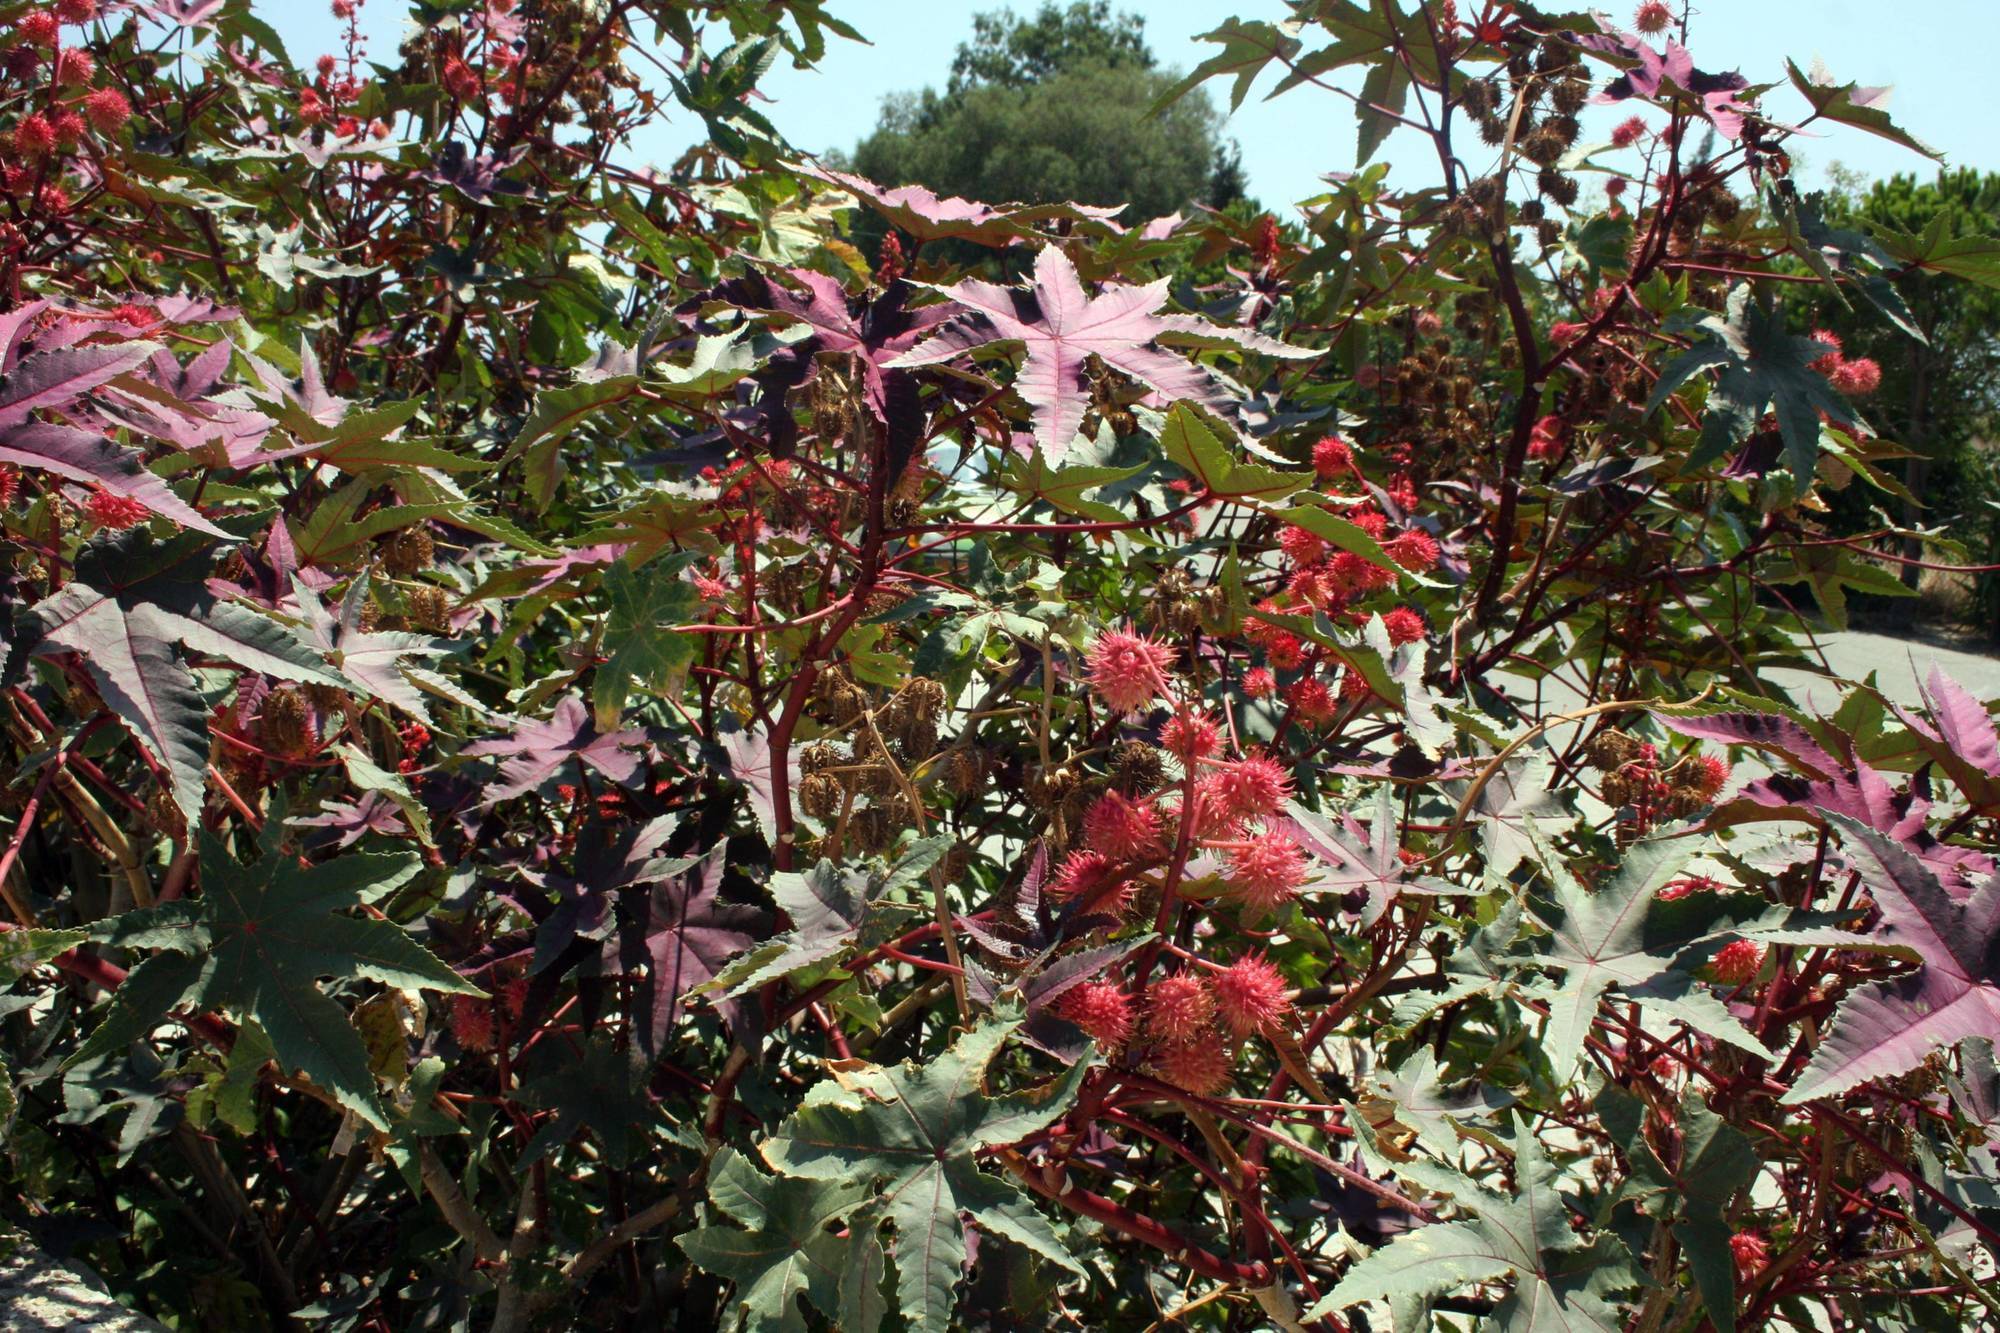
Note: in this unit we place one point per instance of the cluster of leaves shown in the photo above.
(581, 750)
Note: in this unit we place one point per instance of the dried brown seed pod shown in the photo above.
(430, 607)
(408, 551)
(818, 757)
(820, 795)
(1136, 768)
(284, 723)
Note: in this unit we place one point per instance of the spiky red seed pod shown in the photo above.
(1081, 872)
(1711, 774)
(10, 483)
(891, 265)
(1259, 683)
(1284, 650)
(1250, 993)
(1202, 1066)
(1122, 829)
(1180, 1008)
(69, 129)
(34, 135)
(1266, 872)
(1652, 17)
(1101, 1009)
(1301, 547)
(1628, 132)
(514, 997)
(1129, 671)
(1565, 331)
(75, 67)
(461, 80)
(1332, 457)
(107, 110)
(1737, 962)
(1751, 1252)
(1415, 550)
(76, 11)
(38, 28)
(1545, 441)
(1311, 700)
(115, 512)
(1189, 736)
(471, 1021)
(1252, 787)
(1857, 378)
(1371, 521)
(1404, 626)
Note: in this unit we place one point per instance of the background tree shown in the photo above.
(1055, 107)
(1939, 397)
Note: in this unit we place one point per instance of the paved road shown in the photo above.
(1899, 664)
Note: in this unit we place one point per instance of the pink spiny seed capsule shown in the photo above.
(1201, 1066)
(1300, 546)
(1628, 132)
(1737, 962)
(1751, 1252)
(1250, 993)
(1259, 683)
(1129, 671)
(1252, 786)
(1189, 736)
(1101, 1009)
(1711, 775)
(1266, 872)
(472, 1022)
(1180, 1007)
(1404, 626)
(1121, 828)
(1414, 550)
(1332, 456)
(1857, 378)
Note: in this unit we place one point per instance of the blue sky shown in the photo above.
(1935, 52)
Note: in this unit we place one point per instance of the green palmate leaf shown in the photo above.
(1764, 366)
(641, 647)
(1032, 478)
(1852, 104)
(1973, 258)
(556, 413)
(1204, 448)
(912, 1132)
(23, 950)
(1713, 1163)
(1559, 1280)
(1246, 49)
(1611, 938)
(256, 945)
(833, 909)
(133, 602)
(787, 1249)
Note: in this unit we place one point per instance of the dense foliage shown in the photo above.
(583, 752)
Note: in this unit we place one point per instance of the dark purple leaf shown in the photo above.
(57, 378)
(353, 820)
(538, 751)
(90, 458)
(1764, 731)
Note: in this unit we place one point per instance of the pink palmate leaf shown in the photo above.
(1890, 1027)
(1062, 326)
